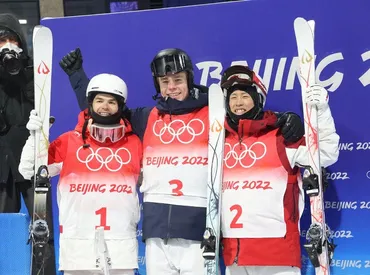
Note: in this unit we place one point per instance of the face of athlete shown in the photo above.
(174, 86)
(240, 102)
(105, 104)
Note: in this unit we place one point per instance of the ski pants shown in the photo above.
(176, 257)
(262, 270)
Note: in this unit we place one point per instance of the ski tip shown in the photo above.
(40, 27)
(299, 19)
(215, 88)
(311, 23)
(41, 30)
(300, 22)
(35, 30)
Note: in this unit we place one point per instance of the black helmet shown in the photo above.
(171, 61)
(243, 75)
(240, 77)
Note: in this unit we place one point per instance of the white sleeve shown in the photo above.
(55, 168)
(27, 162)
(328, 142)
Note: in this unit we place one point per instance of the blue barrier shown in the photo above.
(15, 252)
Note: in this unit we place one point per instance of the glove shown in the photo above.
(27, 160)
(34, 123)
(317, 95)
(126, 113)
(201, 88)
(291, 127)
(71, 62)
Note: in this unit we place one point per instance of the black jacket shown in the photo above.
(16, 102)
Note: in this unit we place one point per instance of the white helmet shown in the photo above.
(107, 83)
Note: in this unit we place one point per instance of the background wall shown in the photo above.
(260, 34)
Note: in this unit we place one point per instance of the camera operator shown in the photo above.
(16, 102)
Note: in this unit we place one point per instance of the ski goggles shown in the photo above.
(103, 132)
(247, 79)
(169, 65)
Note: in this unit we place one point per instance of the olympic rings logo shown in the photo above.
(178, 129)
(246, 157)
(104, 156)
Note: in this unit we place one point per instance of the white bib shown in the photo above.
(176, 176)
(253, 204)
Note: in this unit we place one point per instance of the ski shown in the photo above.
(39, 230)
(319, 248)
(211, 238)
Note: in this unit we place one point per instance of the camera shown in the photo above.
(10, 61)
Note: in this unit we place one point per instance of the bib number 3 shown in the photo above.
(176, 191)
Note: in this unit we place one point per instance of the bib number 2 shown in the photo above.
(238, 212)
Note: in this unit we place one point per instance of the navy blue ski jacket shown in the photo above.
(159, 220)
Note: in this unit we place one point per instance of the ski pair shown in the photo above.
(319, 247)
(39, 228)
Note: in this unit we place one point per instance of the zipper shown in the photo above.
(237, 252)
(294, 205)
(170, 210)
(240, 135)
(168, 225)
(169, 109)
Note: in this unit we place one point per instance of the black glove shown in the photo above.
(71, 62)
(201, 88)
(291, 127)
(126, 113)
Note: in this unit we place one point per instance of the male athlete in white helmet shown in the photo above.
(99, 164)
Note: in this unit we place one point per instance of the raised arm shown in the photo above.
(328, 137)
(71, 64)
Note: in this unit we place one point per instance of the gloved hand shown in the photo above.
(291, 127)
(27, 161)
(34, 123)
(201, 88)
(71, 62)
(126, 113)
(317, 95)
